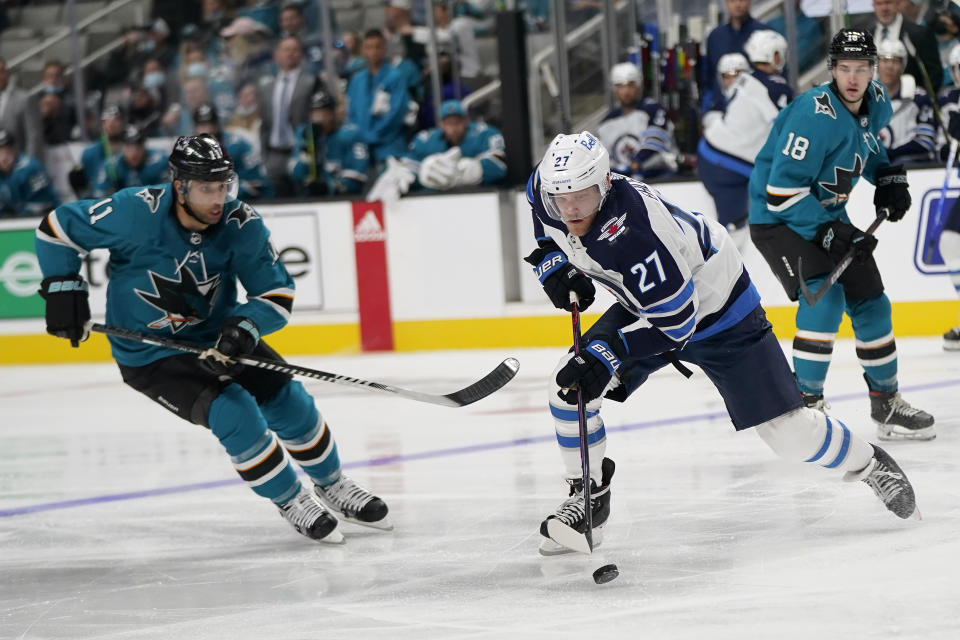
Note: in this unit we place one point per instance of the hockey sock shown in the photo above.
(813, 343)
(876, 347)
(807, 435)
(242, 430)
(292, 415)
(567, 426)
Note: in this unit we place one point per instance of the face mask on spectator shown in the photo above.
(244, 109)
(147, 46)
(52, 88)
(154, 79)
(196, 70)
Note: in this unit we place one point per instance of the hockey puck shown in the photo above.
(606, 573)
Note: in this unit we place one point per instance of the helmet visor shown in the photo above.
(203, 194)
(573, 205)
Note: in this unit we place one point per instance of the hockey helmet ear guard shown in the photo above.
(573, 163)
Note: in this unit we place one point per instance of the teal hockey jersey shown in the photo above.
(813, 157)
(165, 279)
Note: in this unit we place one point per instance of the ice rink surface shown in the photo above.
(117, 520)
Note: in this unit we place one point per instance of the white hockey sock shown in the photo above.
(567, 426)
(806, 435)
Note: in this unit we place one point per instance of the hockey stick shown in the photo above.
(928, 254)
(480, 389)
(813, 298)
(559, 532)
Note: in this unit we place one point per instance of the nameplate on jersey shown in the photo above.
(612, 228)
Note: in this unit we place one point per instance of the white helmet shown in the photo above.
(573, 162)
(954, 61)
(762, 46)
(732, 63)
(891, 48)
(624, 73)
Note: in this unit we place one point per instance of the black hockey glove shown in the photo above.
(559, 277)
(68, 307)
(238, 337)
(590, 370)
(837, 237)
(893, 192)
(78, 180)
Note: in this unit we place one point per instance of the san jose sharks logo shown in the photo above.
(242, 215)
(151, 197)
(824, 105)
(843, 180)
(613, 228)
(183, 301)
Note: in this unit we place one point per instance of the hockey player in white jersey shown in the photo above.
(910, 136)
(683, 295)
(950, 225)
(638, 133)
(734, 132)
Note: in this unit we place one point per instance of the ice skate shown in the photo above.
(310, 518)
(570, 513)
(897, 420)
(354, 503)
(951, 339)
(889, 482)
(815, 401)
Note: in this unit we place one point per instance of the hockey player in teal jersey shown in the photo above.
(820, 146)
(177, 253)
(134, 166)
(329, 158)
(25, 188)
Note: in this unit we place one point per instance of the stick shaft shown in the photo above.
(582, 422)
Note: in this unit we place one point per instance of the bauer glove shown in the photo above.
(238, 337)
(590, 371)
(837, 237)
(893, 192)
(559, 277)
(68, 307)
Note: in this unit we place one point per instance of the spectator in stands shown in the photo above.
(637, 133)
(945, 23)
(910, 10)
(266, 12)
(25, 188)
(455, 35)
(245, 119)
(330, 158)
(253, 183)
(17, 116)
(810, 44)
(53, 82)
(125, 63)
(53, 121)
(293, 23)
(178, 120)
(910, 136)
(144, 111)
(923, 55)
(378, 101)
(350, 59)
(451, 88)
(406, 55)
(98, 160)
(284, 105)
(154, 77)
(136, 165)
(726, 38)
(458, 153)
(215, 18)
(248, 55)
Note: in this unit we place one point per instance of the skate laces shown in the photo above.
(572, 510)
(347, 494)
(302, 511)
(900, 406)
(885, 482)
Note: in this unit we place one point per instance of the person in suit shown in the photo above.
(923, 54)
(16, 117)
(284, 105)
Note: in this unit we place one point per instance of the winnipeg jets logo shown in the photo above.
(824, 105)
(151, 197)
(242, 215)
(183, 301)
(625, 148)
(613, 228)
(843, 180)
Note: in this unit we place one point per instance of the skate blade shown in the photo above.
(334, 537)
(892, 434)
(567, 536)
(384, 524)
(549, 547)
(951, 346)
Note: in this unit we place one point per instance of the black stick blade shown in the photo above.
(486, 385)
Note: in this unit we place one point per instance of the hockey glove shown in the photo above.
(590, 370)
(68, 307)
(893, 192)
(559, 277)
(837, 237)
(238, 337)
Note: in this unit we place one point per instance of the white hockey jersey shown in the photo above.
(911, 133)
(643, 136)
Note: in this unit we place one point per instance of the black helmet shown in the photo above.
(204, 113)
(7, 139)
(322, 100)
(200, 158)
(852, 44)
(133, 134)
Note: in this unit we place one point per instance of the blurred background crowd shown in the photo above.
(376, 99)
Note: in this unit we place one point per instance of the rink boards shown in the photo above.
(456, 275)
